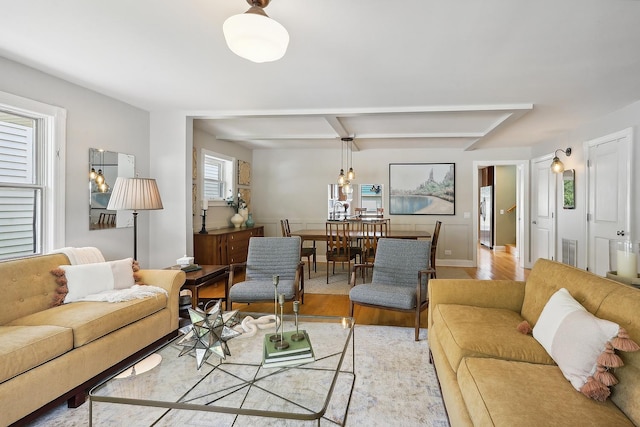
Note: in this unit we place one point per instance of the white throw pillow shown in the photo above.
(89, 279)
(572, 336)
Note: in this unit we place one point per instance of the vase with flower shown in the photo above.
(238, 204)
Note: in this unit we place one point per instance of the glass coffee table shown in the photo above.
(236, 390)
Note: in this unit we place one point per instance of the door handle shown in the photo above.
(620, 233)
(534, 222)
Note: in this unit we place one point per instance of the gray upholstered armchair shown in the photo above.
(267, 256)
(400, 276)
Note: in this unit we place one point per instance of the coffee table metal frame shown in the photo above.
(214, 364)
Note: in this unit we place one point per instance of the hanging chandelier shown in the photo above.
(346, 162)
(254, 36)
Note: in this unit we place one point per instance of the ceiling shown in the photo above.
(462, 74)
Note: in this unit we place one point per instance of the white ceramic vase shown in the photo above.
(237, 220)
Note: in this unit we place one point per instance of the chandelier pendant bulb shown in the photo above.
(346, 155)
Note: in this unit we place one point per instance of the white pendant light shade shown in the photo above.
(256, 37)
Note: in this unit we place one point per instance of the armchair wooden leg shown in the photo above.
(351, 309)
(418, 323)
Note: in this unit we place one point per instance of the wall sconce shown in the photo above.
(556, 165)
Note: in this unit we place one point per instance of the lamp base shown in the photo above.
(204, 217)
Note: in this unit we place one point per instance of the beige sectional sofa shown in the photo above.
(493, 375)
(51, 354)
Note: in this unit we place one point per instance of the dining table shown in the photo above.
(320, 234)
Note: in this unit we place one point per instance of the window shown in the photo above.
(217, 176)
(31, 177)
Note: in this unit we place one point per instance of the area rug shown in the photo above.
(394, 385)
(338, 282)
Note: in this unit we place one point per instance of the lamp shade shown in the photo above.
(557, 166)
(136, 194)
(256, 37)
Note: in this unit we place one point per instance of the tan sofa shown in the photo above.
(48, 355)
(492, 375)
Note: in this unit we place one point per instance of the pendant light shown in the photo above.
(346, 145)
(254, 36)
(98, 178)
(351, 175)
(341, 177)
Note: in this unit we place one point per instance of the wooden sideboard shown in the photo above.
(224, 246)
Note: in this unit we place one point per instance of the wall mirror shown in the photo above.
(569, 189)
(104, 168)
(371, 196)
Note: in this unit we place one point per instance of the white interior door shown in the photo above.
(609, 193)
(543, 210)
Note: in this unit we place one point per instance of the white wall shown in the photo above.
(217, 216)
(93, 121)
(571, 224)
(293, 184)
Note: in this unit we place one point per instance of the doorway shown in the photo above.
(543, 210)
(519, 209)
(609, 196)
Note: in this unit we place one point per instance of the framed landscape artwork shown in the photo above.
(422, 188)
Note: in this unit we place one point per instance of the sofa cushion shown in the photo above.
(484, 332)
(547, 277)
(27, 285)
(25, 347)
(508, 393)
(92, 320)
(573, 336)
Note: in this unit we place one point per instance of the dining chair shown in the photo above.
(305, 252)
(399, 281)
(267, 257)
(340, 246)
(360, 212)
(371, 232)
(434, 244)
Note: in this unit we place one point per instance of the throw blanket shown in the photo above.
(87, 255)
(128, 294)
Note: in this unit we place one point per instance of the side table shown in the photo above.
(208, 275)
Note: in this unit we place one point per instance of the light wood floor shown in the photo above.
(491, 265)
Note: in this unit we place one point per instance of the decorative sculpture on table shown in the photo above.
(290, 348)
(281, 344)
(276, 281)
(210, 331)
(297, 336)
